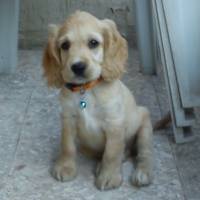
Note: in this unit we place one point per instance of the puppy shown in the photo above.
(85, 58)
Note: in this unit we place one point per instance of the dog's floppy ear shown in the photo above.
(115, 51)
(51, 60)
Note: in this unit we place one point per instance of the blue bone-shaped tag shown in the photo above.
(82, 104)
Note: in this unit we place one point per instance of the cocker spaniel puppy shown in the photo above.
(85, 57)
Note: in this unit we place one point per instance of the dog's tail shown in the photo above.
(163, 123)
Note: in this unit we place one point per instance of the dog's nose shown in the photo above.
(78, 68)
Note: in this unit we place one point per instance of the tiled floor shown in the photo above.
(29, 141)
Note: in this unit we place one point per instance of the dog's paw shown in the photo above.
(141, 177)
(64, 170)
(106, 180)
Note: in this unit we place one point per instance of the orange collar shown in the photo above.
(86, 86)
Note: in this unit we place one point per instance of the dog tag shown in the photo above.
(83, 104)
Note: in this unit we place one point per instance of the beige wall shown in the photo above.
(35, 15)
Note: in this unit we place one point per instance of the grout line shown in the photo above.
(156, 94)
(20, 134)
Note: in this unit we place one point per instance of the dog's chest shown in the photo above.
(88, 120)
(88, 117)
(89, 123)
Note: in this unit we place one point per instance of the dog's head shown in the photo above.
(83, 49)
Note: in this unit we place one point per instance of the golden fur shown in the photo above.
(112, 120)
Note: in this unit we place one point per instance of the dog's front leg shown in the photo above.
(109, 170)
(65, 167)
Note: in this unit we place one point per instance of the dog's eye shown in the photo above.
(93, 44)
(65, 45)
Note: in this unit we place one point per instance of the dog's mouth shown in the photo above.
(74, 87)
(75, 79)
(79, 80)
(86, 77)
